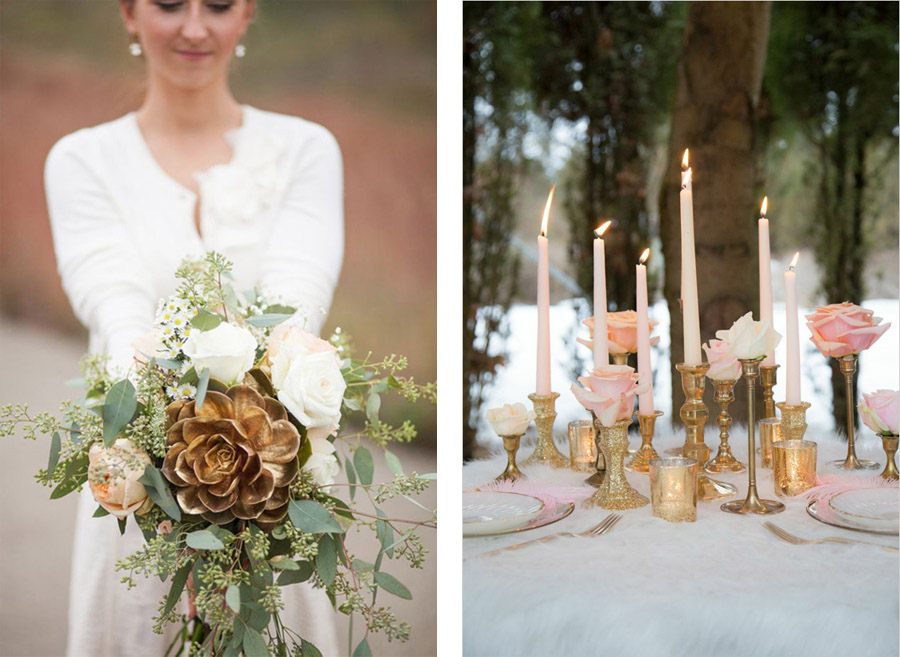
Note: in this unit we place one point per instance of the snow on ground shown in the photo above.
(516, 380)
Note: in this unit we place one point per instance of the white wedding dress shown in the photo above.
(121, 226)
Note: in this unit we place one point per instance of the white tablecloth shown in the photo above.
(721, 586)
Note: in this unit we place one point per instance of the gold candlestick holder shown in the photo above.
(752, 503)
(615, 492)
(545, 451)
(793, 420)
(694, 414)
(890, 471)
(641, 460)
(512, 472)
(768, 377)
(848, 367)
(725, 460)
(620, 359)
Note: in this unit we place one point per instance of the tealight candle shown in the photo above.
(582, 445)
(673, 489)
(794, 466)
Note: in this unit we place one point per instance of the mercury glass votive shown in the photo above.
(673, 489)
(794, 466)
(769, 433)
(582, 446)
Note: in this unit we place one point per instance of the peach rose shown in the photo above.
(609, 392)
(840, 329)
(621, 332)
(880, 411)
(723, 366)
(113, 474)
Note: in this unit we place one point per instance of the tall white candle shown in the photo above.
(542, 386)
(600, 345)
(765, 276)
(793, 335)
(645, 369)
(690, 303)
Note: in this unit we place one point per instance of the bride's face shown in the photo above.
(188, 42)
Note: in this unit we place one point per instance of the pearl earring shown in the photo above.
(135, 48)
(240, 50)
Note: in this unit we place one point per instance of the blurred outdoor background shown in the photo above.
(794, 100)
(366, 71)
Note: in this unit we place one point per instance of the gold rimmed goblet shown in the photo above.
(645, 453)
(890, 472)
(752, 503)
(545, 451)
(724, 460)
(512, 472)
(851, 462)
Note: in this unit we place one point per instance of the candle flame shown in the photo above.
(685, 161)
(602, 228)
(645, 255)
(765, 206)
(547, 212)
(794, 260)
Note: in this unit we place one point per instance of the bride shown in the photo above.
(190, 171)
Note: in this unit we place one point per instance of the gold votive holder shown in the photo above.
(582, 446)
(673, 489)
(645, 453)
(794, 467)
(793, 420)
(769, 434)
(512, 472)
(768, 377)
(724, 460)
(890, 471)
(615, 492)
(851, 462)
(545, 451)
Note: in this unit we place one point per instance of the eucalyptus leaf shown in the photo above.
(282, 562)
(304, 572)
(189, 377)
(373, 405)
(100, 512)
(254, 644)
(393, 463)
(326, 560)
(202, 385)
(118, 410)
(205, 320)
(351, 477)
(311, 517)
(385, 533)
(168, 363)
(280, 309)
(363, 649)
(158, 490)
(55, 446)
(178, 582)
(308, 650)
(390, 584)
(267, 319)
(365, 468)
(204, 539)
(255, 616)
(233, 598)
(263, 381)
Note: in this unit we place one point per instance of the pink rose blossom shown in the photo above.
(621, 332)
(880, 411)
(609, 392)
(840, 329)
(723, 365)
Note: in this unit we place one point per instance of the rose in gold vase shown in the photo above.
(842, 331)
(724, 371)
(880, 411)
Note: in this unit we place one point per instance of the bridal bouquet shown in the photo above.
(219, 444)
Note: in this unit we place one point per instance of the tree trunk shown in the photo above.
(469, 133)
(718, 86)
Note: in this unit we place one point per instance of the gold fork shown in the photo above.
(796, 540)
(599, 529)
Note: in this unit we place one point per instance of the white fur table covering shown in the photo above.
(722, 586)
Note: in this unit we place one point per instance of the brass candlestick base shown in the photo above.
(890, 467)
(848, 367)
(725, 460)
(615, 492)
(752, 503)
(620, 359)
(793, 420)
(694, 414)
(641, 460)
(512, 472)
(768, 376)
(545, 450)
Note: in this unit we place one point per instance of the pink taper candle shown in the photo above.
(690, 303)
(542, 386)
(600, 345)
(765, 276)
(645, 368)
(793, 335)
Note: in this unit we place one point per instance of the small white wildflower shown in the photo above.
(171, 392)
(168, 331)
(187, 391)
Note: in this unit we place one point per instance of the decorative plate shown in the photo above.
(553, 512)
(825, 514)
(878, 508)
(492, 512)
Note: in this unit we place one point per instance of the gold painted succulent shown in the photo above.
(234, 458)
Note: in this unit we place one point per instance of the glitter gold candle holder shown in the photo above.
(848, 367)
(752, 503)
(793, 420)
(645, 453)
(890, 471)
(673, 489)
(582, 446)
(794, 467)
(725, 460)
(768, 377)
(769, 434)
(615, 492)
(512, 472)
(693, 414)
(545, 450)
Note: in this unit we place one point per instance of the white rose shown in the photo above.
(322, 463)
(310, 386)
(510, 419)
(228, 351)
(113, 474)
(749, 339)
(288, 342)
